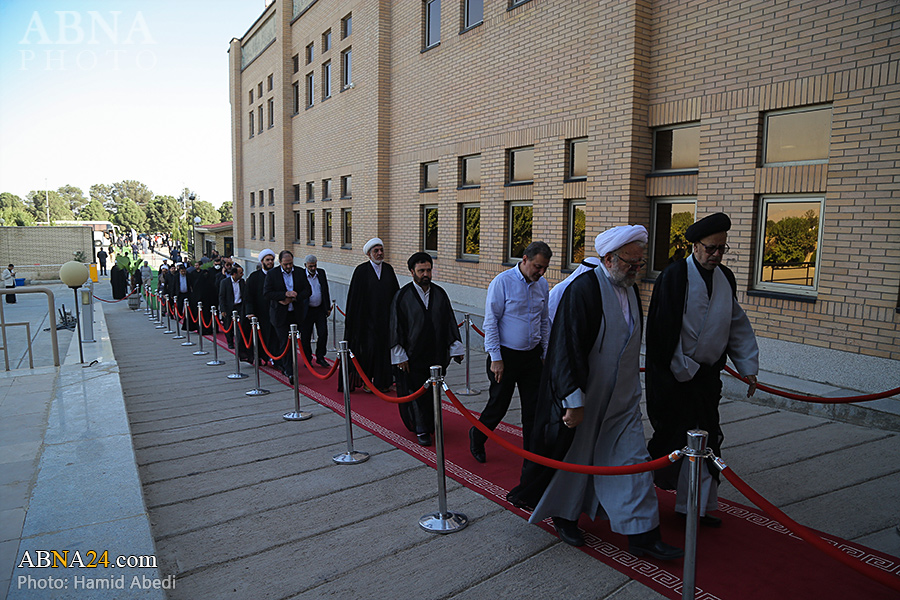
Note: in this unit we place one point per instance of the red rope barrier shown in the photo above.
(343, 314)
(871, 572)
(377, 392)
(263, 344)
(461, 323)
(653, 465)
(203, 324)
(331, 371)
(478, 331)
(222, 328)
(190, 314)
(817, 399)
(114, 301)
(241, 331)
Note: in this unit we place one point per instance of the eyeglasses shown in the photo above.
(632, 264)
(724, 248)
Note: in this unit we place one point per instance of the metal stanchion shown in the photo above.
(254, 328)
(215, 325)
(148, 311)
(159, 323)
(467, 323)
(187, 322)
(201, 351)
(237, 358)
(297, 415)
(442, 521)
(168, 316)
(178, 335)
(351, 456)
(334, 347)
(696, 453)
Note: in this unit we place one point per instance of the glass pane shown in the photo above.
(326, 41)
(348, 186)
(311, 226)
(519, 230)
(348, 227)
(328, 227)
(789, 249)
(430, 181)
(472, 170)
(669, 243)
(578, 167)
(576, 251)
(433, 23)
(677, 148)
(798, 136)
(431, 229)
(522, 164)
(474, 12)
(471, 230)
(326, 189)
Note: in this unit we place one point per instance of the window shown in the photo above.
(271, 226)
(296, 96)
(347, 26)
(430, 229)
(669, 220)
(346, 69)
(271, 82)
(575, 241)
(432, 23)
(296, 225)
(326, 189)
(471, 230)
(252, 125)
(310, 227)
(251, 96)
(326, 80)
(310, 53)
(260, 111)
(259, 90)
(473, 13)
(271, 112)
(347, 186)
(577, 155)
(787, 255)
(296, 61)
(252, 198)
(797, 136)
(310, 191)
(515, 3)
(271, 196)
(326, 41)
(262, 226)
(296, 193)
(326, 218)
(520, 214)
(429, 178)
(521, 165)
(470, 171)
(252, 226)
(310, 89)
(676, 148)
(346, 227)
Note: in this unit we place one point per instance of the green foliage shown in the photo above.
(225, 213)
(131, 216)
(73, 197)
(132, 190)
(8, 200)
(16, 217)
(520, 236)
(206, 211)
(80, 256)
(59, 207)
(93, 211)
(578, 236)
(679, 247)
(472, 243)
(791, 240)
(125, 260)
(163, 214)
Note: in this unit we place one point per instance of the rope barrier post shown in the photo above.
(469, 391)
(350, 457)
(215, 325)
(159, 323)
(696, 453)
(201, 351)
(442, 521)
(297, 415)
(184, 320)
(168, 316)
(187, 322)
(149, 310)
(254, 331)
(334, 326)
(237, 359)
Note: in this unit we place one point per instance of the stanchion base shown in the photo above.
(297, 416)
(168, 331)
(446, 523)
(200, 353)
(215, 363)
(257, 392)
(160, 327)
(187, 343)
(238, 376)
(468, 392)
(350, 458)
(177, 337)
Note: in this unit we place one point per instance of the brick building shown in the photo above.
(469, 127)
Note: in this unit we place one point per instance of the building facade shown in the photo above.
(467, 128)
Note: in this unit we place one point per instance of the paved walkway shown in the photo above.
(150, 452)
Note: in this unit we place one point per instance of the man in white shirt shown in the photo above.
(318, 312)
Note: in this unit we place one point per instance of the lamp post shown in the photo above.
(194, 235)
(74, 274)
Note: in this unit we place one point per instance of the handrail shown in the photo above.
(51, 304)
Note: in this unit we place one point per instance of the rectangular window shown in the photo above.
(252, 226)
(310, 53)
(575, 253)
(326, 41)
(473, 13)
(429, 176)
(346, 227)
(432, 23)
(295, 87)
(296, 60)
(260, 113)
(271, 112)
(347, 69)
(347, 26)
(296, 225)
(326, 226)
(259, 90)
(470, 171)
(271, 226)
(347, 186)
(676, 148)
(791, 234)
(310, 191)
(471, 230)
(326, 189)
(520, 214)
(430, 229)
(669, 219)
(577, 155)
(326, 80)
(797, 136)
(251, 96)
(262, 226)
(252, 124)
(521, 165)
(296, 193)
(252, 198)
(310, 227)
(271, 82)
(310, 89)
(271, 196)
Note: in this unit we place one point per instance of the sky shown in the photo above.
(107, 90)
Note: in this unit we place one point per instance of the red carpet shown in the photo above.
(751, 556)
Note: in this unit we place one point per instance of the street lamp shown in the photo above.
(194, 235)
(74, 274)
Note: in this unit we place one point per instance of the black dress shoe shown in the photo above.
(658, 549)
(568, 531)
(322, 362)
(475, 448)
(706, 520)
(424, 439)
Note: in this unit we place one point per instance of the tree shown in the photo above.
(131, 216)
(206, 211)
(225, 212)
(163, 214)
(11, 201)
(133, 190)
(16, 216)
(59, 207)
(93, 211)
(103, 194)
(791, 240)
(73, 197)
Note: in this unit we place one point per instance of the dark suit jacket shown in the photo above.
(274, 290)
(323, 284)
(226, 296)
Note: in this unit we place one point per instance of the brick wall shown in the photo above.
(38, 252)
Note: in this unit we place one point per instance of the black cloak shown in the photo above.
(367, 324)
(118, 279)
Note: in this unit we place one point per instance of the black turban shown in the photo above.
(419, 257)
(706, 226)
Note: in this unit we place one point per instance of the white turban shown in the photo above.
(371, 244)
(264, 254)
(613, 239)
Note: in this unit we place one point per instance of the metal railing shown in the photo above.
(51, 305)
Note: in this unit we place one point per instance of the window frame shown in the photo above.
(296, 226)
(252, 123)
(310, 191)
(467, 23)
(346, 186)
(571, 263)
(270, 82)
(326, 80)
(570, 159)
(326, 41)
(654, 225)
(427, 22)
(296, 187)
(347, 69)
(310, 53)
(327, 227)
(271, 105)
(347, 26)
(672, 171)
(346, 240)
(787, 288)
(253, 198)
(423, 176)
(462, 231)
(260, 115)
(311, 227)
(795, 110)
(326, 190)
(252, 226)
(511, 165)
(262, 226)
(271, 226)
(463, 170)
(510, 207)
(310, 89)
(296, 96)
(426, 208)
